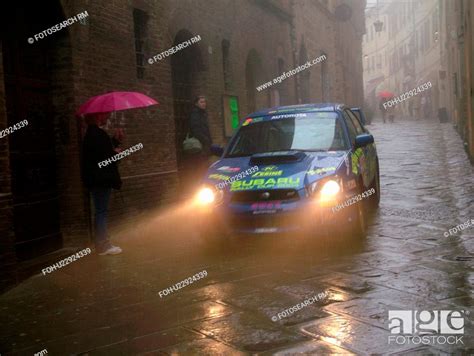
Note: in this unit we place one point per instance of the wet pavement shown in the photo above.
(110, 305)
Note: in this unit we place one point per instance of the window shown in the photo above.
(355, 122)
(351, 128)
(139, 27)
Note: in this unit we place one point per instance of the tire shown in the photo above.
(375, 199)
(359, 224)
(354, 227)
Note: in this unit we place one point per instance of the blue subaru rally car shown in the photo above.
(293, 168)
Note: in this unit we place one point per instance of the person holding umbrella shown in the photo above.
(97, 146)
(384, 97)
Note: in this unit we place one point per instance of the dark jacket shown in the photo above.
(199, 128)
(97, 146)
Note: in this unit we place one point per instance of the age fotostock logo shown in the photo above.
(426, 327)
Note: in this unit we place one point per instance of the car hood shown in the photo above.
(283, 169)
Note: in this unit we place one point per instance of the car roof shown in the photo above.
(298, 108)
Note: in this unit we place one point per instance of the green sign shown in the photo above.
(234, 110)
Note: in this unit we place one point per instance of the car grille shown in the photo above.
(270, 195)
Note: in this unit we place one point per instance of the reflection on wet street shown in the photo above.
(111, 306)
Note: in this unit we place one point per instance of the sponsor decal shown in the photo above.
(286, 116)
(355, 160)
(247, 121)
(265, 183)
(270, 171)
(228, 169)
(218, 176)
(314, 171)
(265, 207)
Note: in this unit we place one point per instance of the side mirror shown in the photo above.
(217, 150)
(363, 140)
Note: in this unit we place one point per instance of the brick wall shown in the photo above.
(8, 272)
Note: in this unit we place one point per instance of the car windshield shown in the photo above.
(310, 131)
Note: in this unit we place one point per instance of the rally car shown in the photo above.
(295, 168)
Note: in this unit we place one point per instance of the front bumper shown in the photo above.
(291, 217)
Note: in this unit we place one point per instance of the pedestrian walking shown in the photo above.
(382, 109)
(97, 146)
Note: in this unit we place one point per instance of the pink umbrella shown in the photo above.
(115, 101)
(386, 94)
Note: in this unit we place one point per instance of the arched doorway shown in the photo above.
(28, 78)
(185, 68)
(254, 76)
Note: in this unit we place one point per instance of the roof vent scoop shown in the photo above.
(277, 157)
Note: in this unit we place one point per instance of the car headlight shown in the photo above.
(327, 190)
(205, 196)
(208, 196)
(330, 189)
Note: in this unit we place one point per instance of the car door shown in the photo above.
(368, 159)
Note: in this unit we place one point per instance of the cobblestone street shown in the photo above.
(110, 305)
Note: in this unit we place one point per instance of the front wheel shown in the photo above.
(358, 223)
(375, 199)
(352, 226)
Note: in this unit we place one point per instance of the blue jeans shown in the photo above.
(101, 197)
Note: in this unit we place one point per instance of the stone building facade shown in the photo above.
(457, 58)
(43, 205)
(405, 53)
